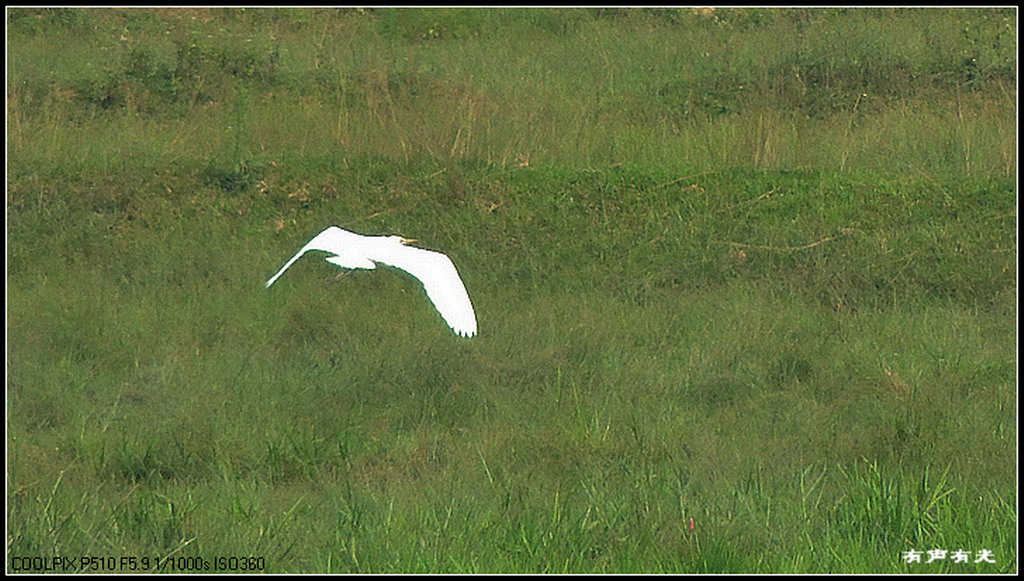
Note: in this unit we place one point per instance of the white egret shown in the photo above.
(435, 270)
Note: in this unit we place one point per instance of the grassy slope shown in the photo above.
(755, 269)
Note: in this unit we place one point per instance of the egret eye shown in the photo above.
(434, 270)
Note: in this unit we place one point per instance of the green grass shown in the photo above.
(755, 268)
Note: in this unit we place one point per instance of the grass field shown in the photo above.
(745, 281)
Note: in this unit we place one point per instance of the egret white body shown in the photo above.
(435, 270)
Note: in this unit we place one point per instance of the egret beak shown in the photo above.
(409, 240)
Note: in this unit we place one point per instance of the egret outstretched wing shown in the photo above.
(440, 279)
(341, 243)
(434, 270)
